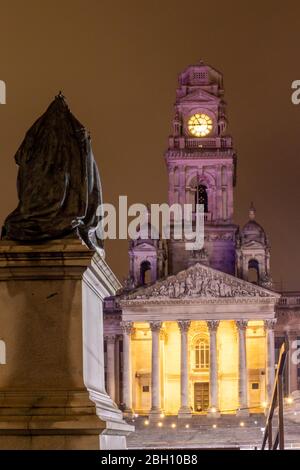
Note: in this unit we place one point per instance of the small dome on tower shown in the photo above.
(252, 231)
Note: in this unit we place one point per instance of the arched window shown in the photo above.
(145, 273)
(253, 271)
(201, 196)
(202, 354)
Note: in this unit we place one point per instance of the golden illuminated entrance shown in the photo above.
(201, 396)
(205, 391)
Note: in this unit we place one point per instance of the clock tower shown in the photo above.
(201, 165)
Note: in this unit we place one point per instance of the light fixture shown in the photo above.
(242, 424)
(214, 426)
(173, 425)
(162, 415)
(213, 410)
(146, 422)
(264, 404)
(160, 424)
(187, 426)
(289, 400)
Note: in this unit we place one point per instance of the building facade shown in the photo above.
(197, 331)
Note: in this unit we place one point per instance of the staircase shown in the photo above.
(201, 432)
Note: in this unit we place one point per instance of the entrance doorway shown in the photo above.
(201, 396)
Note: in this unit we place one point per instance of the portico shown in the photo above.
(207, 351)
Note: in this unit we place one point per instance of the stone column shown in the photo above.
(155, 411)
(117, 369)
(270, 357)
(127, 328)
(110, 371)
(171, 185)
(293, 367)
(213, 369)
(182, 184)
(243, 372)
(219, 195)
(230, 193)
(185, 410)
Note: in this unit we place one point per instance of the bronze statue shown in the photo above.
(58, 182)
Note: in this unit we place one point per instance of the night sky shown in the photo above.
(117, 63)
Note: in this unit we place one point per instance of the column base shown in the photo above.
(184, 413)
(155, 415)
(213, 412)
(243, 413)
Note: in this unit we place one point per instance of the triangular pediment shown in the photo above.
(200, 281)
(200, 95)
(253, 244)
(144, 246)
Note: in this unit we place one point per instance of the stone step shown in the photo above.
(202, 432)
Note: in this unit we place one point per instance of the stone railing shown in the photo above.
(201, 142)
(290, 300)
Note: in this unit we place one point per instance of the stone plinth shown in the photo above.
(52, 390)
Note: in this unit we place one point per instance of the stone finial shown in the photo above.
(60, 95)
(252, 211)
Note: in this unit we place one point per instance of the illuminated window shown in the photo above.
(200, 125)
(202, 354)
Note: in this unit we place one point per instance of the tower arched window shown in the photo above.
(145, 273)
(201, 196)
(202, 354)
(253, 271)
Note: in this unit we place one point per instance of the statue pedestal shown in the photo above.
(52, 391)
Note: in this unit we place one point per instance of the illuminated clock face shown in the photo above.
(200, 125)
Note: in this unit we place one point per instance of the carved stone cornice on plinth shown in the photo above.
(184, 325)
(155, 325)
(241, 324)
(127, 327)
(270, 324)
(212, 325)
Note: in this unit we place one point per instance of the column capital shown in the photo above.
(241, 324)
(127, 327)
(155, 325)
(213, 325)
(184, 325)
(110, 339)
(270, 324)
